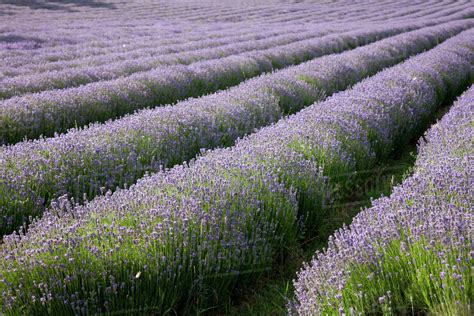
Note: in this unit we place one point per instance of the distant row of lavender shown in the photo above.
(167, 241)
(434, 206)
(145, 16)
(119, 152)
(58, 110)
(86, 35)
(144, 37)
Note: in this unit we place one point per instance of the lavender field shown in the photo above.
(236, 157)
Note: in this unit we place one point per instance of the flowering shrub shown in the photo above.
(410, 252)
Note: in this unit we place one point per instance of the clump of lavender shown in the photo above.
(119, 152)
(153, 49)
(410, 252)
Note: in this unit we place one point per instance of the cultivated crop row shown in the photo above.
(143, 46)
(147, 44)
(23, 61)
(216, 221)
(416, 242)
(119, 152)
(429, 11)
(144, 37)
(352, 11)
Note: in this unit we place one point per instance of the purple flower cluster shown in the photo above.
(143, 42)
(119, 152)
(223, 217)
(48, 112)
(435, 204)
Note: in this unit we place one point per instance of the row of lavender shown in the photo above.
(143, 37)
(119, 152)
(331, 12)
(411, 251)
(53, 111)
(372, 10)
(57, 110)
(224, 217)
(146, 46)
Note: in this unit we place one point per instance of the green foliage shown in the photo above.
(411, 277)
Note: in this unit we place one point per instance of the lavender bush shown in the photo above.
(410, 252)
(117, 153)
(89, 40)
(201, 227)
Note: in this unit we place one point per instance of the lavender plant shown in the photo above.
(200, 228)
(89, 40)
(145, 46)
(410, 252)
